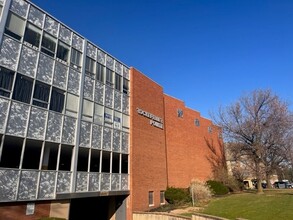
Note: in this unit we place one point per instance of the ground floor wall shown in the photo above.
(90, 208)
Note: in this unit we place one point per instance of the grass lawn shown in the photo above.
(272, 205)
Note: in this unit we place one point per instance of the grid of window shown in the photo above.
(162, 197)
(48, 77)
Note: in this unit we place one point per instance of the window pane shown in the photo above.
(65, 158)
(100, 72)
(109, 77)
(48, 45)
(11, 152)
(57, 100)
(32, 153)
(90, 65)
(32, 35)
(125, 86)
(6, 79)
(62, 51)
(22, 89)
(75, 57)
(88, 108)
(14, 26)
(151, 198)
(95, 161)
(117, 82)
(72, 102)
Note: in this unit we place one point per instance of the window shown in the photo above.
(106, 162)
(32, 35)
(48, 45)
(109, 77)
(100, 72)
(11, 152)
(108, 115)
(62, 51)
(115, 162)
(99, 114)
(82, 161)
(32, 154)
(151, 198)
(90, 65)
(210, 129)
(180, 113)
(117, 82)
(125, 121)
(88, 108)
(6, 79)
(75, 57)
(95, 161)
(65, 158)
(57, 100)
(14, 26)
(72, 102)
(41, 95)
(124, 163)
(50, 156)
(125, 86)
(162, 197)
(22, 89)
(196, 122)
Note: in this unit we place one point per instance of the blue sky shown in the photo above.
(205, 52)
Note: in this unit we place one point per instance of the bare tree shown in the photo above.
(257, 127)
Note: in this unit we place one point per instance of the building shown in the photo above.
(81, 133)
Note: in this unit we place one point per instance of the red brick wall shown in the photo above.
(187, 150)
(147, 147)
(13, 211)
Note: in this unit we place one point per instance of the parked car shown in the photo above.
(282, 185)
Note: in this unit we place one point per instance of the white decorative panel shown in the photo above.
(81, 182)
(54, 127)
(9, 53)
(126, 72)
(45, 69)
(28, 185)
(107, 137)
(88, 88)
(117, 101)
(73, 81)
(36, 16)
(28, 62)
(91, 51)
(118, 68)
(60, 75)
(20, 7)
(116, 140)
(97, 136)
(51, 26)
(68, 134)
(2, 2)
(110, 63)
(8, 184)
(65, 34)
(124, 182)
(99, 93)
(115, 182)
(37, 122)
(47, 185)
(63, 182)
(125, 143)
(125, 104)
(105, 182)
(109, 99)
(101, 57)
(77, 42)
(85, 132)
(17, 119)
(3, 113)
(94, 182)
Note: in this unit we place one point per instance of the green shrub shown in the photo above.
(217, 187)
(177, 195)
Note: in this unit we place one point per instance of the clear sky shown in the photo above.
(205, 52)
